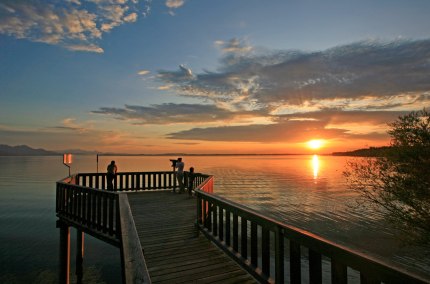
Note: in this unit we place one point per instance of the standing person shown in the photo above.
(180, 174)
(191, 177)
(111, 172)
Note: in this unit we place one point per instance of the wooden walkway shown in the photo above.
(173, 249)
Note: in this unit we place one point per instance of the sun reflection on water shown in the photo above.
(315, 166)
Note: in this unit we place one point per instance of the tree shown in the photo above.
(398, 184)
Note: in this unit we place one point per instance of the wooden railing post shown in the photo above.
(279, 255)
(338, 272)
(254, 245)
(215, 220)
(199, 204)
(265, 251)
(79, 256)
(227, 228)
(221, 223)
(244, 238)
(295, 262)
(64, 250)
(235, 232)
(315, 267)
(117, 218)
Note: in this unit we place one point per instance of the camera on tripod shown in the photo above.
(173, 163)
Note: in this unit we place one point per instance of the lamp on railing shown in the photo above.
(67, 160)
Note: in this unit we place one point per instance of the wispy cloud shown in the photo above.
(171, 113)
(336, 116)
(235, 45)
(75, 25)
(143, 72)
(285, 132)
(175, 3)
(84, 47)
(298, 127)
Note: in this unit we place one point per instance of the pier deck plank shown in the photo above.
(173, 249)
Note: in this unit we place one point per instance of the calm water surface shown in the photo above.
(308, 192)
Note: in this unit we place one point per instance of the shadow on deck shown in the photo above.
(174, 250)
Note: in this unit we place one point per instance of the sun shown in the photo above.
(315, 143)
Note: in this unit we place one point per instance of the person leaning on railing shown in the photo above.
(191, 177)
(111, 172)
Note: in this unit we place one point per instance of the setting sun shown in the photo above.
(315, 144)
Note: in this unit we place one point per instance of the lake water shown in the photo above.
(308, 192)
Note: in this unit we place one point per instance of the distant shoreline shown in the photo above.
(151, 155)
(24, 150)
(369, 152)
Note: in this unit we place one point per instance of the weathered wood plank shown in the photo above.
(173, 249)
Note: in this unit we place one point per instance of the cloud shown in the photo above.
(75, 25)
(83, 47)
(175, 4)
(131, 18)
(343, 93)
(336, 116)
(295, 128)
(170, 113)
(287, 131)
(184, 74)
(143, 72)
(346, 74)
(234, 45)
(163, 88)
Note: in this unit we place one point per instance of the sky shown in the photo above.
(201, 76)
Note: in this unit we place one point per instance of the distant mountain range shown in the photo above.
(24, 150)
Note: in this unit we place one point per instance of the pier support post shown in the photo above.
(64, 270)
(79, 256)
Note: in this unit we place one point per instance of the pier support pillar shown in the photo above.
(64, 253)
(79, 256)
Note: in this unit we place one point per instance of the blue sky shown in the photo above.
(210, 76)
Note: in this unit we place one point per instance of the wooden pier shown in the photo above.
(165, 237)
(174, 250)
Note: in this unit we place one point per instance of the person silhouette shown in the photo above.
(110, 176)
(180, 174)
(191, 177)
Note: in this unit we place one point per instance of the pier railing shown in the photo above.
(95, 211)
(83, 202)
(273, 251)
(103, 214)
(82, 199)
(125, 181)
